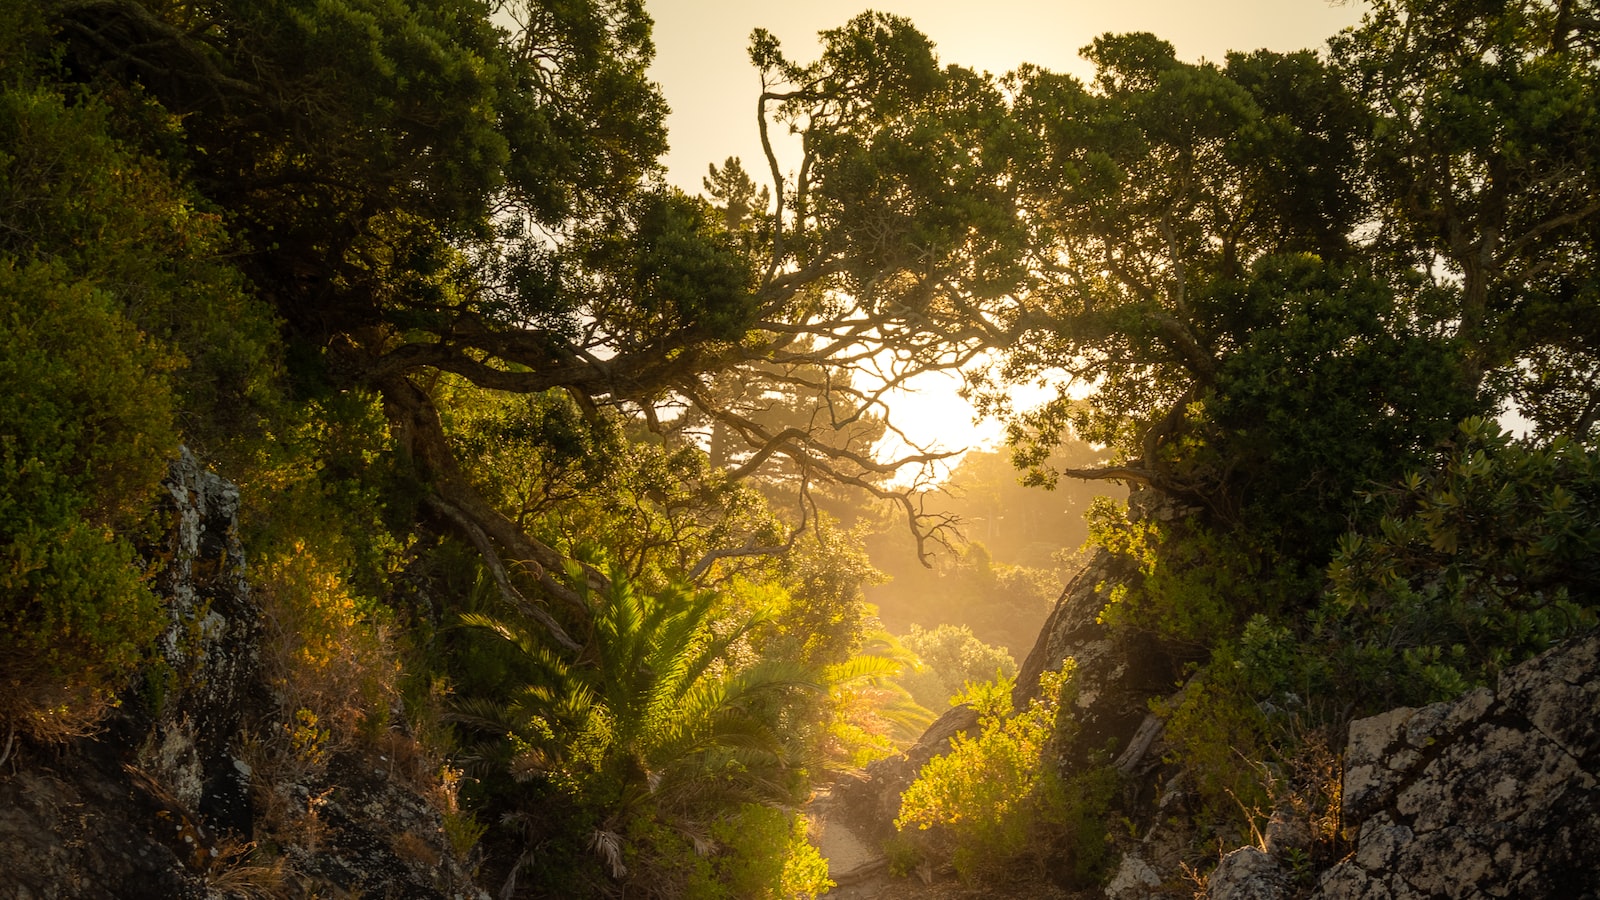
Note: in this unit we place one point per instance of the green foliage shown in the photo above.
(1338, 383)
(1472, 567)
(872, 714)
(1461, 571)
(905, 175)
(662, 735)
(89, 421)
(95, 265)
(1482, 156)
(1191, 585)
(441, 210)
(329, 482)
(996, 802)
(825, 619)
(114, 219)
(680, 271)
(1151, 190)
(952, 657)
(768, 858)
(532, 453)
(1218, 735)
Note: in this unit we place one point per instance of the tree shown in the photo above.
(952, 659)
(419, 191)
(1280, 281)
(1481, 163)
(1160, 195)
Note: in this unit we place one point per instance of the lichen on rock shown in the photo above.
(1493, 794)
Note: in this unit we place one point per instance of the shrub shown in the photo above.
(88, 420)
(951, 658)
(996, 801)
(327, 653)
(768, 857)
(1196, 585)
(1476, 565)
(1216, 732)
(118, 324)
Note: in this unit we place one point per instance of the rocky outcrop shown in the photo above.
(162, 804)
(208, 683)
(1493, 795)
(1248, 874)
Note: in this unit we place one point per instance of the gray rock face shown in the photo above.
(1493, 795)
(1247, 874)
(210, 650)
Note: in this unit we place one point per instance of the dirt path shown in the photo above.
(858, 868)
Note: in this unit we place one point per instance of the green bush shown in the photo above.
(1217, 731)
(1193, 585)
(951, 658)
(1476, 565)
(995, 803)
(73, 194)
(122, 333)
(767, 857)
(88, 414)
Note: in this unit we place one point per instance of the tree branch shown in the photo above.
(497, 569)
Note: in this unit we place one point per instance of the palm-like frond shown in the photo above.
(657, 706)
(863, 668)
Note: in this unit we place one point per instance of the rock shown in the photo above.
(1492, 795)
(1247, 874)
(1134, 879)
(210, 651)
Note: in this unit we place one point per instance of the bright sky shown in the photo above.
(702, 66)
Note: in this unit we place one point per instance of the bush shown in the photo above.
(1217, 731)
(1477, 565)
(1194, 585)
(768, 856)
(996, 803)
(118, 325)
(952, 657)
(88, 416)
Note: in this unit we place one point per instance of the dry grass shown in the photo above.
(36, 707)
(237, 870)
(320, 653)
(414, 848)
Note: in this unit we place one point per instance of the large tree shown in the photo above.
(472, 189)
(1275, 282)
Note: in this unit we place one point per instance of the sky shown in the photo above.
(702, 67)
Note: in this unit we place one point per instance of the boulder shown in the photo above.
(1491, 795)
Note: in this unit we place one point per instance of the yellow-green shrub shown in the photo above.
(1217, 733)
(327, 653)
(768, 856)
(88, 420)
(995, 802)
